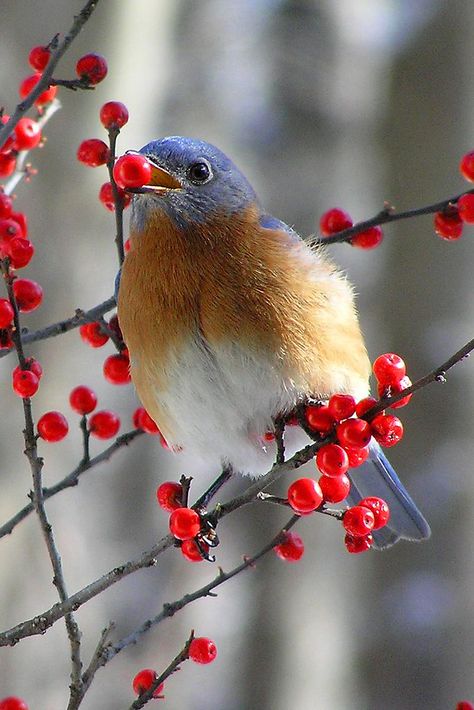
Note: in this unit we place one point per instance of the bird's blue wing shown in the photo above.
(376, 477)
(267, 221)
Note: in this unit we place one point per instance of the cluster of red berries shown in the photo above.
(335, 220)
(343, 418)
(201, 650)
(184, 522)
(449, 223)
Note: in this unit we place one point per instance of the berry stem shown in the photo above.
(385, 216)
(86, 435)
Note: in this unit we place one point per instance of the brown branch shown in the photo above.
(58, 50)
(36, 465)
(72, 478)
(63, 326)
(384, 217)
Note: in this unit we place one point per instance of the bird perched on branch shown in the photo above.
(232, 320)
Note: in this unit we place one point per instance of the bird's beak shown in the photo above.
(162, 180)
(160, 183)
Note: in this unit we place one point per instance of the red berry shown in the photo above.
(13, 703)
(357, 456)
(117, 369)
(132, 170)
(333, 221)
(113, 114)
(106, 196)
(53, 426)
(304, 495)
(342, 406)
(462, 705)
(9, 229)
(368, 239)
(364, 405)
(354, 433)
(332, 460)
(334, 488)
(33, 365)
(28, 294)
(191, 551)
(396, 388)
(6, 313)
(91, 68)
(27, 134)
(104, 424)
(379, 508)
(127, 245)
(202, 650)
(6, 205)
(39, 57)
(358, 543)
(29, 83)
(387, 429)
(92, 334)
(6, 339)
(389, 368)
(170, 496)
(466, 208)
(93, 152)
(448, 225)
(20, 251)
(20, 219)
(184, 523)
(319, 419)
(358, 520)
(143, 421)
(82, 399)
(25, 383)
(466, 166)
(291, 549)
(144, 680)
(7, 163)
(115, 327)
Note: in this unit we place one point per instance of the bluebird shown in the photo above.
(232, 320)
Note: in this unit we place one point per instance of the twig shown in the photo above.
(119, 205)
(385, 216)
(20, 173)
(42, 622)
(45, 81)
(173, 666)
(72, 478)
(64, 326)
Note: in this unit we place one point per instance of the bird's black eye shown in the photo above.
(200, 172)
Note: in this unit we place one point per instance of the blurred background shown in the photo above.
(321, 104)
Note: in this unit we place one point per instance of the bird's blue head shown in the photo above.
(192, 181)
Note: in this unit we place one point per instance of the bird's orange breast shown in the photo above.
(232, 281)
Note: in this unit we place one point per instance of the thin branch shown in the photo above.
(118, 200)
(20, 172)
(45, 80)
(36, 465)
(173, 666)
(72, 478)
(385, 216)
(63, 326)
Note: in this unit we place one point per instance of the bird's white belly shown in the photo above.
(221, 403)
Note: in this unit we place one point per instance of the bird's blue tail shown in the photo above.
(376, 477)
